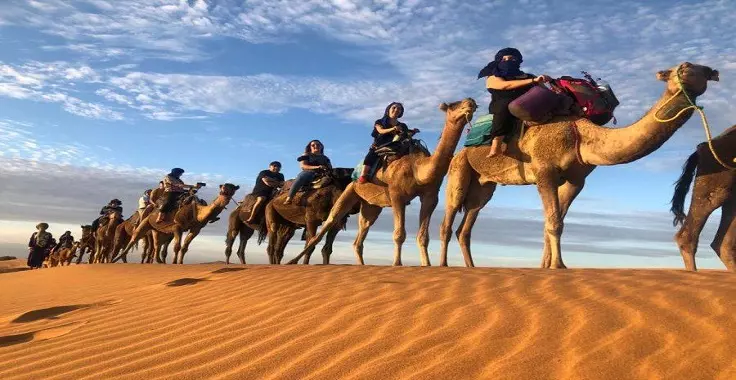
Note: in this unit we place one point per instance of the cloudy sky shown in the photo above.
(99, 99)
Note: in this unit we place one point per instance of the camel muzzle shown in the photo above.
(714, 76)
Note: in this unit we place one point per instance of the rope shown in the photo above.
(703, 119)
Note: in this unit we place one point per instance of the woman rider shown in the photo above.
(384, 131)
(310, 162)
(506, 82)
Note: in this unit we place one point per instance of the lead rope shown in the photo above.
(703, 119)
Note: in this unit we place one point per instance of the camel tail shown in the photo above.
(262, 231)
(682, 187)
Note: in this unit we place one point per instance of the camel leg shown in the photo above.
(188, 240)
(311, 229)
(329, 241)
(344, 204)
(157, 244)
(724, 243)
(177, 245)
(458, 182)
(703, 202)
(143, 228)
(547, 181)
(567, 194)
(283, 240)
(368, 215)
(234, 228)
(399, 208)
(477, 198)
(429, 204)
(81, 255)
(245, 234)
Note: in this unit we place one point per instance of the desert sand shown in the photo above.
(374, 322)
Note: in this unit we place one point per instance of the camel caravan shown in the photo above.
(538, 131)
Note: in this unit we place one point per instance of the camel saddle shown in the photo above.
(246, 208)
(391, 152)
(186, 211)
(323, 179)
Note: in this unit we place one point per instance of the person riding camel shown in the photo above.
(266, 182)
(505, 82)
(113, 205)
(312, 161)
(386, 130)
(66, 240)
(157, 193)
(174, 189)
(143, 203)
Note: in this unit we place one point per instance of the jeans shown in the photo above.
(302, 179)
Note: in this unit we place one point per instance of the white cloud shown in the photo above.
(49, 82)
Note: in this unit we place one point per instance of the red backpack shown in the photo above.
(596, 100)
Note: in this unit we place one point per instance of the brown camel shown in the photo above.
(412, 175)
(65, 255)
(308, 209)
(124, 231)
(104, 237)
(713, 189)
(238, 226)
(559, 155)
(86, 244)
(190, 217)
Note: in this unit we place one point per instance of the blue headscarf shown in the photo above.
(503, 69)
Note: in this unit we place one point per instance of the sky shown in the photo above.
(100, 99)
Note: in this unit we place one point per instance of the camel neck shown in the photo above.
(614, 146)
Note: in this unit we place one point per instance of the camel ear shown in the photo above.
(444, 107)
(664, 75)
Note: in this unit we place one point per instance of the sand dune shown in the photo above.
(349, 322)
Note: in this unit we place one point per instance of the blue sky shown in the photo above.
(98, 99)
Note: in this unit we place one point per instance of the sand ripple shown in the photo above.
(348, 322)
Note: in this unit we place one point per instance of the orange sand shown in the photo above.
(347, 322)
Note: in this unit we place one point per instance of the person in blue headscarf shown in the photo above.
(385, 131)
(506, 82)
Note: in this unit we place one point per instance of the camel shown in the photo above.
(104, 237)
(714, 188)
(190, 217)
(238, 226)
(67, 254)
(400, 181)
(86, 244)
(309, 209)
(559, 155)
(124, 231)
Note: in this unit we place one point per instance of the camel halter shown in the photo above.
(703, 119)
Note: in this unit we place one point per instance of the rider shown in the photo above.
(66, 240)
(312, 161)
(174, 188)
(143, 203)
(266, 182)
(506, 82)
(385, 131)
(113, 205)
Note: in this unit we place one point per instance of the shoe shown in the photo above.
(362, 179)
(214, 220)
(287, 201)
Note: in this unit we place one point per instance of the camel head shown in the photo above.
(461, 112)
(227, 191)
(693, 78)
